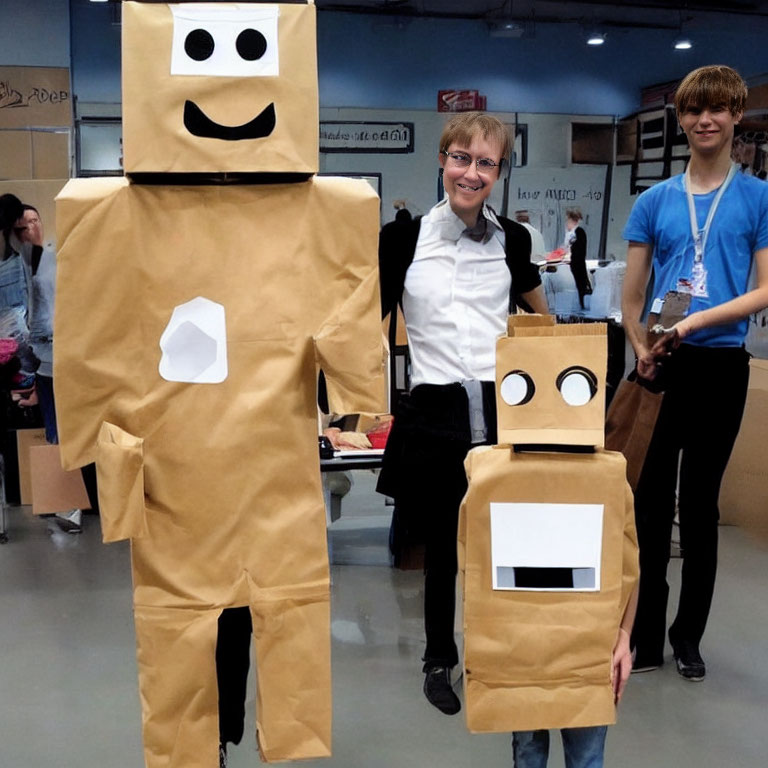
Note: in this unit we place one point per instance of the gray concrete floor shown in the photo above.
(68, 690)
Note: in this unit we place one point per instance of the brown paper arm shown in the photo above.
(349, 350)
(631, 569)
(120, 471)
(95, 327)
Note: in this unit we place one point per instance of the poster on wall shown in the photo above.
(35, 96)
(547, 193)
(351, 136)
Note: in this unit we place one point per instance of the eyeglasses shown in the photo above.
(463, 160)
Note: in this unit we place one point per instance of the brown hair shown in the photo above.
(574, 214)
(465, 126)
(712, 86)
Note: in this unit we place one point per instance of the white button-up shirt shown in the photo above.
(455, 299)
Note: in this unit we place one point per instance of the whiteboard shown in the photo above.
(546, 193)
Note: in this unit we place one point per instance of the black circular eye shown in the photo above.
(199, 45)
(251, 44)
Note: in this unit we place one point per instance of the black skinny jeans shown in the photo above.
(705, 392)
(424, 471)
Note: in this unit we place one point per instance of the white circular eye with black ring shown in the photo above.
(517, 388)
(577, 385)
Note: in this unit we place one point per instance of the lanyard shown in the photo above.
(700, 235)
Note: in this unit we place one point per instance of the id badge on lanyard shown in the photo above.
(696, 285)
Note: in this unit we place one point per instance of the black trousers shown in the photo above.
(233, 648)
(705, 392)
(423, 470)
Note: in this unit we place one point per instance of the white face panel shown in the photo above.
(225, 40)
(546, 547)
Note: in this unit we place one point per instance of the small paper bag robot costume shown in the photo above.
(547, 544)
(197, 300)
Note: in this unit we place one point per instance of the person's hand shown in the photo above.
(347, 440)
(621, 664)
(353, 441)
(24, 398)
(647, 367)
(667, 343)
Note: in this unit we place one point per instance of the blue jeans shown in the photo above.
(583, 747)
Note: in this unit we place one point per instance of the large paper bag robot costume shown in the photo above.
(192, 318)
(547, 543)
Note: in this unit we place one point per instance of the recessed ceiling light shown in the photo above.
(683, 44)
(596, 38)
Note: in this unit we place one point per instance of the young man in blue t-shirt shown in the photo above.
(703, 232)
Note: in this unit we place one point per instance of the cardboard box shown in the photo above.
(34, 154)
(26, 439)
(39, 96)
(53, 489)
(745, 483)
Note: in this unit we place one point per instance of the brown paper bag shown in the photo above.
(53, 489)
(26, 439)
(629, 425)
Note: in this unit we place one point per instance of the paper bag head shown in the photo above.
(550, 382)
(219, 87)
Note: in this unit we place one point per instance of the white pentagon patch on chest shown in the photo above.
(194, 343)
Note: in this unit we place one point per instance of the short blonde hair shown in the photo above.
(712, 86)
(467, 125)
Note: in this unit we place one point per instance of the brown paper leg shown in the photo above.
(293, 661)
(177, 681)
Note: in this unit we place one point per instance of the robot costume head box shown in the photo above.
(547, 545)
(219, 87)
(550, 382)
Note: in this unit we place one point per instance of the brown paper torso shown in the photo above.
(542, 659)
(217, 485)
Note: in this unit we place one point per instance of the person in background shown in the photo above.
(14, 300)
(456, 272)
(576, 237)
(702, 232)
(538, 249)
(42, 263)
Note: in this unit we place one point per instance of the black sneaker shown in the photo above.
(222, 756)
(439, 692)
(690, 665)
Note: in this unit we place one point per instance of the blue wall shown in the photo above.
(367, 62)
(95, 52)
(390, 62)
(34, 33)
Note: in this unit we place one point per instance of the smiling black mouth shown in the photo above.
(199, 124)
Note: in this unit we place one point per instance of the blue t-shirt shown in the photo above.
(740, 227)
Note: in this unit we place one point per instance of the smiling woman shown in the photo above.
(456, 272)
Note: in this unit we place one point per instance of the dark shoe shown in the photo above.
(690, 665)
(439, 692)
(222, 756)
